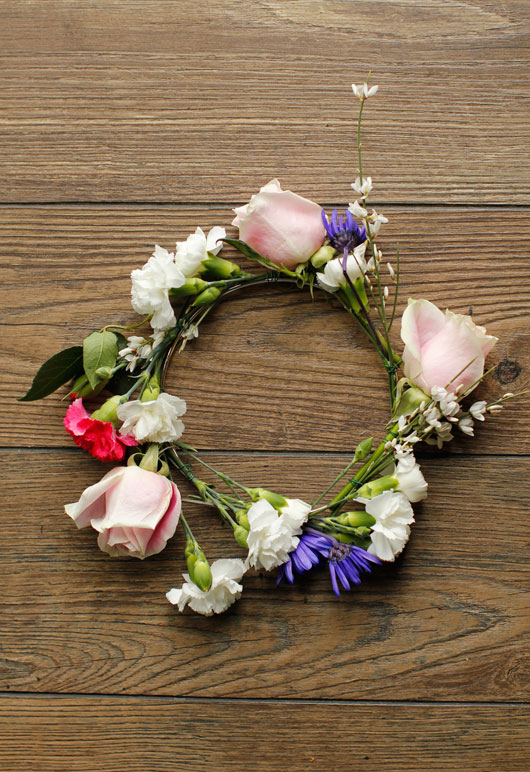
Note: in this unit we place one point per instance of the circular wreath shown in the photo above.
(136, 507)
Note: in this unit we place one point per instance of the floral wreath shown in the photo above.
(136, 507)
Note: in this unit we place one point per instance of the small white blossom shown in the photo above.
(332, 278)
(494, 408)
(357, 210)
(411, 481)
(374, 222)
(272, 535)
(390, 270)
(362, 187)
(194, 250)
(478, 409)
(139, 348)
(157, 420)
(447, 401)
(363, 91)
(224, 590)
(385, 292)
(393, 514)
(150, 285)
(466, 425)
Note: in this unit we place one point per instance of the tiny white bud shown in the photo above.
(390, 270)
(385, 293)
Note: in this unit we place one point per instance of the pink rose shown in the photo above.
(134, 511)
(280, 225)
(445, 350)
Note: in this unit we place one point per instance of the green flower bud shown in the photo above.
(82, 387)
(152, 390)
(409, 401)
(275, 499)
(107, 411)
(190, 287)
(150, 459)
(342, 537)
(201, 573)
(242, 518)
(104, 372)
(363, 449)
(209, 295)
(355, 519)
(219, 268)
(240, 535)
(322, 256)
(375, 487)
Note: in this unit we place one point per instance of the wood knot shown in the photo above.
(508, 371)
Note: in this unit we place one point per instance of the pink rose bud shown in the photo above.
(280, 225)
(134, 511)
(446, 350)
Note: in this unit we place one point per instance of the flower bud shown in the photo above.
(201, 573)
(355, 519)
(409, 401)
(242, 518)
(275, 499)
(209, 295)
(240, 535)
(107, 411)
(363, 449)
(219, 268)
(373, 488)
(322, 256)
(190, 287)
(152, 390)
(150, 458)
(82, 388)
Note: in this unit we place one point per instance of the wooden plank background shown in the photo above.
(128, 124)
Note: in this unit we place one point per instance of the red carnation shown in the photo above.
(100, 438)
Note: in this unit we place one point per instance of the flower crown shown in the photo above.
(136, 507)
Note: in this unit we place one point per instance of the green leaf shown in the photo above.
(253, 255)
(56, 371)
(100, 349)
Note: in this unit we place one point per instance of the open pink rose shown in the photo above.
(134, 511)
(281, 225)
(445, 350)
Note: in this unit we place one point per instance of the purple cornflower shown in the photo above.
(346, 561)
(344, 234)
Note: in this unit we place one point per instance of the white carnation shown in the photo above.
(157, 420)
(150, 286)
(333, 276)
(410, 479)
(225, 589)
(272, 536)
(393, 515)
(194, 250)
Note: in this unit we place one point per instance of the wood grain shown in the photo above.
(69, 735)
(204, 100)
(448, 621)
(272, 370)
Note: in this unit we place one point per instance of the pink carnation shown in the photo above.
(100, 438)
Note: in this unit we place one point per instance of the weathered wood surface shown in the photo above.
(202, 100)
(81, 735)
(449, 621)
(299, 375)
(164, 115)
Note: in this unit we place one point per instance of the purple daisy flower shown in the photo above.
(344, 233)
(346, 561)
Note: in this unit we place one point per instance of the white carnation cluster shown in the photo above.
(157, 420)
(273, 534)
(169, 270)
